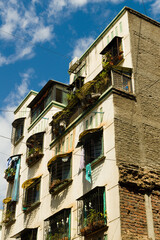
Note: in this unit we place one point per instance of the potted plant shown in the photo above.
(95, 220)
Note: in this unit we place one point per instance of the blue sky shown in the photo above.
(39, 38)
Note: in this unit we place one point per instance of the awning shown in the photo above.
(107, 48)
(57, 157)
(17, 121)
(7, 200)
(88, 133)
(28, 182)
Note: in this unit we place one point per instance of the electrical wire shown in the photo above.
(37, 45)
(144, 7)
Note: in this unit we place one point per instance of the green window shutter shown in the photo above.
(69, 234)
(104, 204)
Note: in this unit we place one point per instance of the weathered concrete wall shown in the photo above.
(137, 126)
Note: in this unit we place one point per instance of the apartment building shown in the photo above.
(85, 156)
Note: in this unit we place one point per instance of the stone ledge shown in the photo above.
(138, 177)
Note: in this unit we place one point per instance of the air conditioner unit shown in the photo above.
(73, 64)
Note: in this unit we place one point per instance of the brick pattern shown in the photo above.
(155, 198)
(133, 215)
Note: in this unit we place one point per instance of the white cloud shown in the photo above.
(63, 6)
(42, 34)
(81, 46)
(16, 96)
(22, 28)
(156, 7)
(6, 119)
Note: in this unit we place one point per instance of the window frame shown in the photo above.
(63, 217)
(57, 173)
(89, 145)
(89, 212)
(27, 202)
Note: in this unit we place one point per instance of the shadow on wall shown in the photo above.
(59, 198)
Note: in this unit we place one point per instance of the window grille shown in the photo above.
(57, 227)
(91, 210)
(60, 172)
(122, 80)
(18, 127)
(93, 147)
(9, 213)
(34, 148)
(32, 194)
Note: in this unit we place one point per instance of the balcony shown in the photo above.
(9, 212)
(10, 172)
(91, 212)
(52, 91)
(31, 197)
(57, 227)
(60, 172)
(113, 53)
(34, 148)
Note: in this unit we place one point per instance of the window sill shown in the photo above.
(56, 189)
(97, 160)
(32, 207)
(92, 231)
(33, 159)
(124, 93)
(10, 222)
(19, 140)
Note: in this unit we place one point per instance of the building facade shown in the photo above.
(85, 156)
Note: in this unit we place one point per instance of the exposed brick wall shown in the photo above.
(133, 215)
(156, 213)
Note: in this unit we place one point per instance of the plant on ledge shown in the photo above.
(94, 221)
(9, 174)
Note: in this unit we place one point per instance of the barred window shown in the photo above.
(58, 226)
(92, 211)
(32, 194)
(93, 147)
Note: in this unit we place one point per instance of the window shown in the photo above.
(67, 144)
(93, 148)
(116, 31)
(58, 226)
(120, 27)
(9, 212)
(101, 115)
(34, 148)
(31, 194)
(107, 39)
(41, 104)
(11, 170)
(91, 121)
(18, 126)
(86, 124)
(60, 171)
(122, 79)
(113, 51)
(92, 211)
(58, 95)
(29, 234)
(112, 35)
